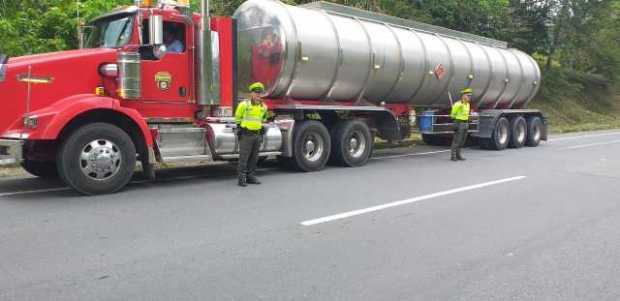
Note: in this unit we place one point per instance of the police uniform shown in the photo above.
(460, 114)
(250, 118)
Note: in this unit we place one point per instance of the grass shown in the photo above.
(577, 114)
(12, 171)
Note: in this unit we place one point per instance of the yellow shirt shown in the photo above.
(460, 111)
(251, 116)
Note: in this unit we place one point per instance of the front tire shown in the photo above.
(311, 146)
(352, 143)
(98, 158)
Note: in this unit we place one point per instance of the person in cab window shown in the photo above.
(172, 41)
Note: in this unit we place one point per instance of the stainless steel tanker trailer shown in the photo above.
(339, 54)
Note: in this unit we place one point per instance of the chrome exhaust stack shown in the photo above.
(205, 94)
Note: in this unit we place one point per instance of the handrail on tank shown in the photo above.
(353, 12)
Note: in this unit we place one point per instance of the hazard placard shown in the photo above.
(440, 71)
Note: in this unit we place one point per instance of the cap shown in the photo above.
(467, 91)
(257, 87)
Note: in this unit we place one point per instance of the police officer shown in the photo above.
(460, 114)
(250, 116)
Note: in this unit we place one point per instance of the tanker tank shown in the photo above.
(336, 53)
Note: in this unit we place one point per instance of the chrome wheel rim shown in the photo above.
(100, 160)
(503, 135)
(537, 133)
(313, 147)
(521, 133)
(357, 145)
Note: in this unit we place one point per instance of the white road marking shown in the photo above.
(349, 214)
(410, 155)
(35, 191)
(58, 189)
(593, 144)
(583, 136)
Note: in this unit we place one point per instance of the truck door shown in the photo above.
(168, 78)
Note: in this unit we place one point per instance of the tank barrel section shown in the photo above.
(332, 52)
(206, 96)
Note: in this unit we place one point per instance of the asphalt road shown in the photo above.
(530, 224)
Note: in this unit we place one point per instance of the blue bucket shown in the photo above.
(426, 121)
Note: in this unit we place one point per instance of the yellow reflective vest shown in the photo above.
(251, 116)
(460, 111)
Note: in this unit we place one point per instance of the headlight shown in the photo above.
(109, 70)
(31, 122)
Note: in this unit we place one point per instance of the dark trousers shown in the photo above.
(460, 136)
(249, 145)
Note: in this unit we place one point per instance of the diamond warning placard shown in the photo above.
(440, 71)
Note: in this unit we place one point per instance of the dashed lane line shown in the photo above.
(349, 214)
(593, 144)
(409, 155)
(583, 137)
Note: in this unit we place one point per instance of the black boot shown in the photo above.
(243, 180)
(252, 179)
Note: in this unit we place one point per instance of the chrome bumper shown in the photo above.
(11, 151)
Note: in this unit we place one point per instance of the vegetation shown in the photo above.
(577, 42)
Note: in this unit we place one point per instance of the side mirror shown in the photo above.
(156, 30)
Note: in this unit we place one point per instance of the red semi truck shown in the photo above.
(337, 77)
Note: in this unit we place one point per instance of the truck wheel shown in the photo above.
(534, 131)
(351, 143)
(518, 128)
(311, 146)
(44, 170)
(98, 158)
(501, 136)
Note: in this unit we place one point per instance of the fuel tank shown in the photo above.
(336, 53)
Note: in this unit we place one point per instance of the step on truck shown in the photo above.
(336, 77)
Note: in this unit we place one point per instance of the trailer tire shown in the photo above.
(44, 170)
(500, 137)
(98, 158)
(518, 130)
(534, 131)
(352, 143)
(311, 146)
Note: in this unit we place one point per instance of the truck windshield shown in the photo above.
(113, 32)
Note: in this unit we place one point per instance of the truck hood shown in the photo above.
(53, 76)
